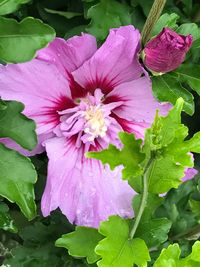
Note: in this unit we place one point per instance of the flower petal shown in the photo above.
(139, 103)
(40, 87)
(84, 190)
(69, 55)
(189, 174)
(114, 62)
(37, 150)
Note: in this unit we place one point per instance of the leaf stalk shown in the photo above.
(145, 178)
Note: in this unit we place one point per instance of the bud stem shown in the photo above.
(152, 18)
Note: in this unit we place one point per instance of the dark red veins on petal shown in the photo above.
(104, 84)
(59, 104)
(76, 90)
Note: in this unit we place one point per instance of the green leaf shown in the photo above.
(117, 249)
(168, 257)
(66, 14)
(6, 222)
(153, 231)
(17, 178)
(171, 257)
(114, 14)
(28, 36)
(10, 6)
(166, 20)
(189, 73)
(166, 139)
(15, 125)
(81, 243)
(168, 88)
(130, 155)
(189, 28)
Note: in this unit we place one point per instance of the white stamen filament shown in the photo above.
(95, 122)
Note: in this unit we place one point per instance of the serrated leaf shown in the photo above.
(114, 14)
(10, 6)
(168, 88)
(15, 125)
(28, 36)
(166, 20)
(81, 243)
(17, 178)
(171, 257)
(189, 73)
(117, 249)
(129, 156)
(166, 139)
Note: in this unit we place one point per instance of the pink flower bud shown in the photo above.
(166, 51)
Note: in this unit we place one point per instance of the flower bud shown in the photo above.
(166, 51)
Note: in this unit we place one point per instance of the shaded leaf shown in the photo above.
(15, 125)
(6, 222)
(17, 178)
(168, 88)
(189, 73)
(66, 14)
(10, 6)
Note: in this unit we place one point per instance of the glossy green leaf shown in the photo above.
(168, 88)
(129, 156)
(117, 249)
(105, 15)
(15, 125)
(9, 6)
(28, 36)
(171, 257)
(17, 178)
(81, 243)
(189, 73)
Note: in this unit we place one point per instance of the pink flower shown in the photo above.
(80, 98)
(166, 51)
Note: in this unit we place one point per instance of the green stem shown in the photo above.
(152, 18)
(144, 196)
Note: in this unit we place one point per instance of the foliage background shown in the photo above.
(26, 243)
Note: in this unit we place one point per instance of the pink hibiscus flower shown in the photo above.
(80, 98)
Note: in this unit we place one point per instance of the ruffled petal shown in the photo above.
(40, 87)
(114, 62)
(139, 104)
(71, 54)
(84, 190)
